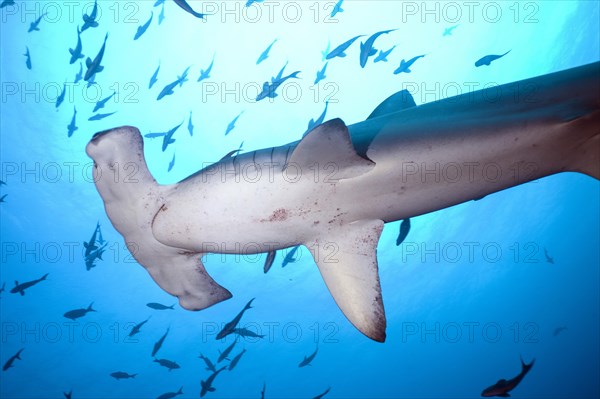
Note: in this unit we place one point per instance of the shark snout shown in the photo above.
(111, 141)
(118, 130)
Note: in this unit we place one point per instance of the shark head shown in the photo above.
(118, 156)
(121, 144)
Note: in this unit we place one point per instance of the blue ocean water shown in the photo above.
(467, 294)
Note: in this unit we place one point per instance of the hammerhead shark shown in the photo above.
(334, 190)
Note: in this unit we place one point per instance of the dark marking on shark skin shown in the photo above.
(279, 215)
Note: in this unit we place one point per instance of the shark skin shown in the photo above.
(369, 174)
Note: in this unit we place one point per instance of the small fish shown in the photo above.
(549, 259)
(168, 89)
(28, 58)
(2, 198)
(236, 360)
(367, 50)
(167, 136)
(307, 359)
(503, 387)
(2, 183)
(121, 375)
(72, 127)
(171, 395)
(159, 306)
(382, 56)
(205, 74)
(79, 75)
(92, 257)
(488, 59)
(154, 77)
(100, 104)
(190, 125)
(340, 51)
(404, 229)
(319, 396)
(3, 287)
(269, 90)
(89, 21)
(558, 330)
(20, 288)
(143, 28)
(326, 51)
(228, 328)
(98, 117)
(10, 361)
(244, 332)
(289, 258)
(269, 261)
(68, 395)
(161, 16)
(35, 25)
(231, 125)
(159, 343)
(94, 67)
(158, 3)
(405, 65)
(207, 385)
(223, 355)
(265, 54)
(321, 74)
(209, 365)
(448, 31)
(6, 3)
(337, 8)
(262, 393)
(171, 365)
(172, 163)
(76, 52)
(313, 124)
(77, 313)
(186, 7)
(136, 329)
(61, 97)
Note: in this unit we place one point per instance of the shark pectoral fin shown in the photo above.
(184, 276)
(88, 62)
(99, 69)
(347, 260)
(330, 144)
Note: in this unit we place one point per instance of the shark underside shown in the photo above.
(333, 190)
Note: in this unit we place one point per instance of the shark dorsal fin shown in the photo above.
(394, 103)
(327, 144)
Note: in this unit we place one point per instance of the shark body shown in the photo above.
(369, 173)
